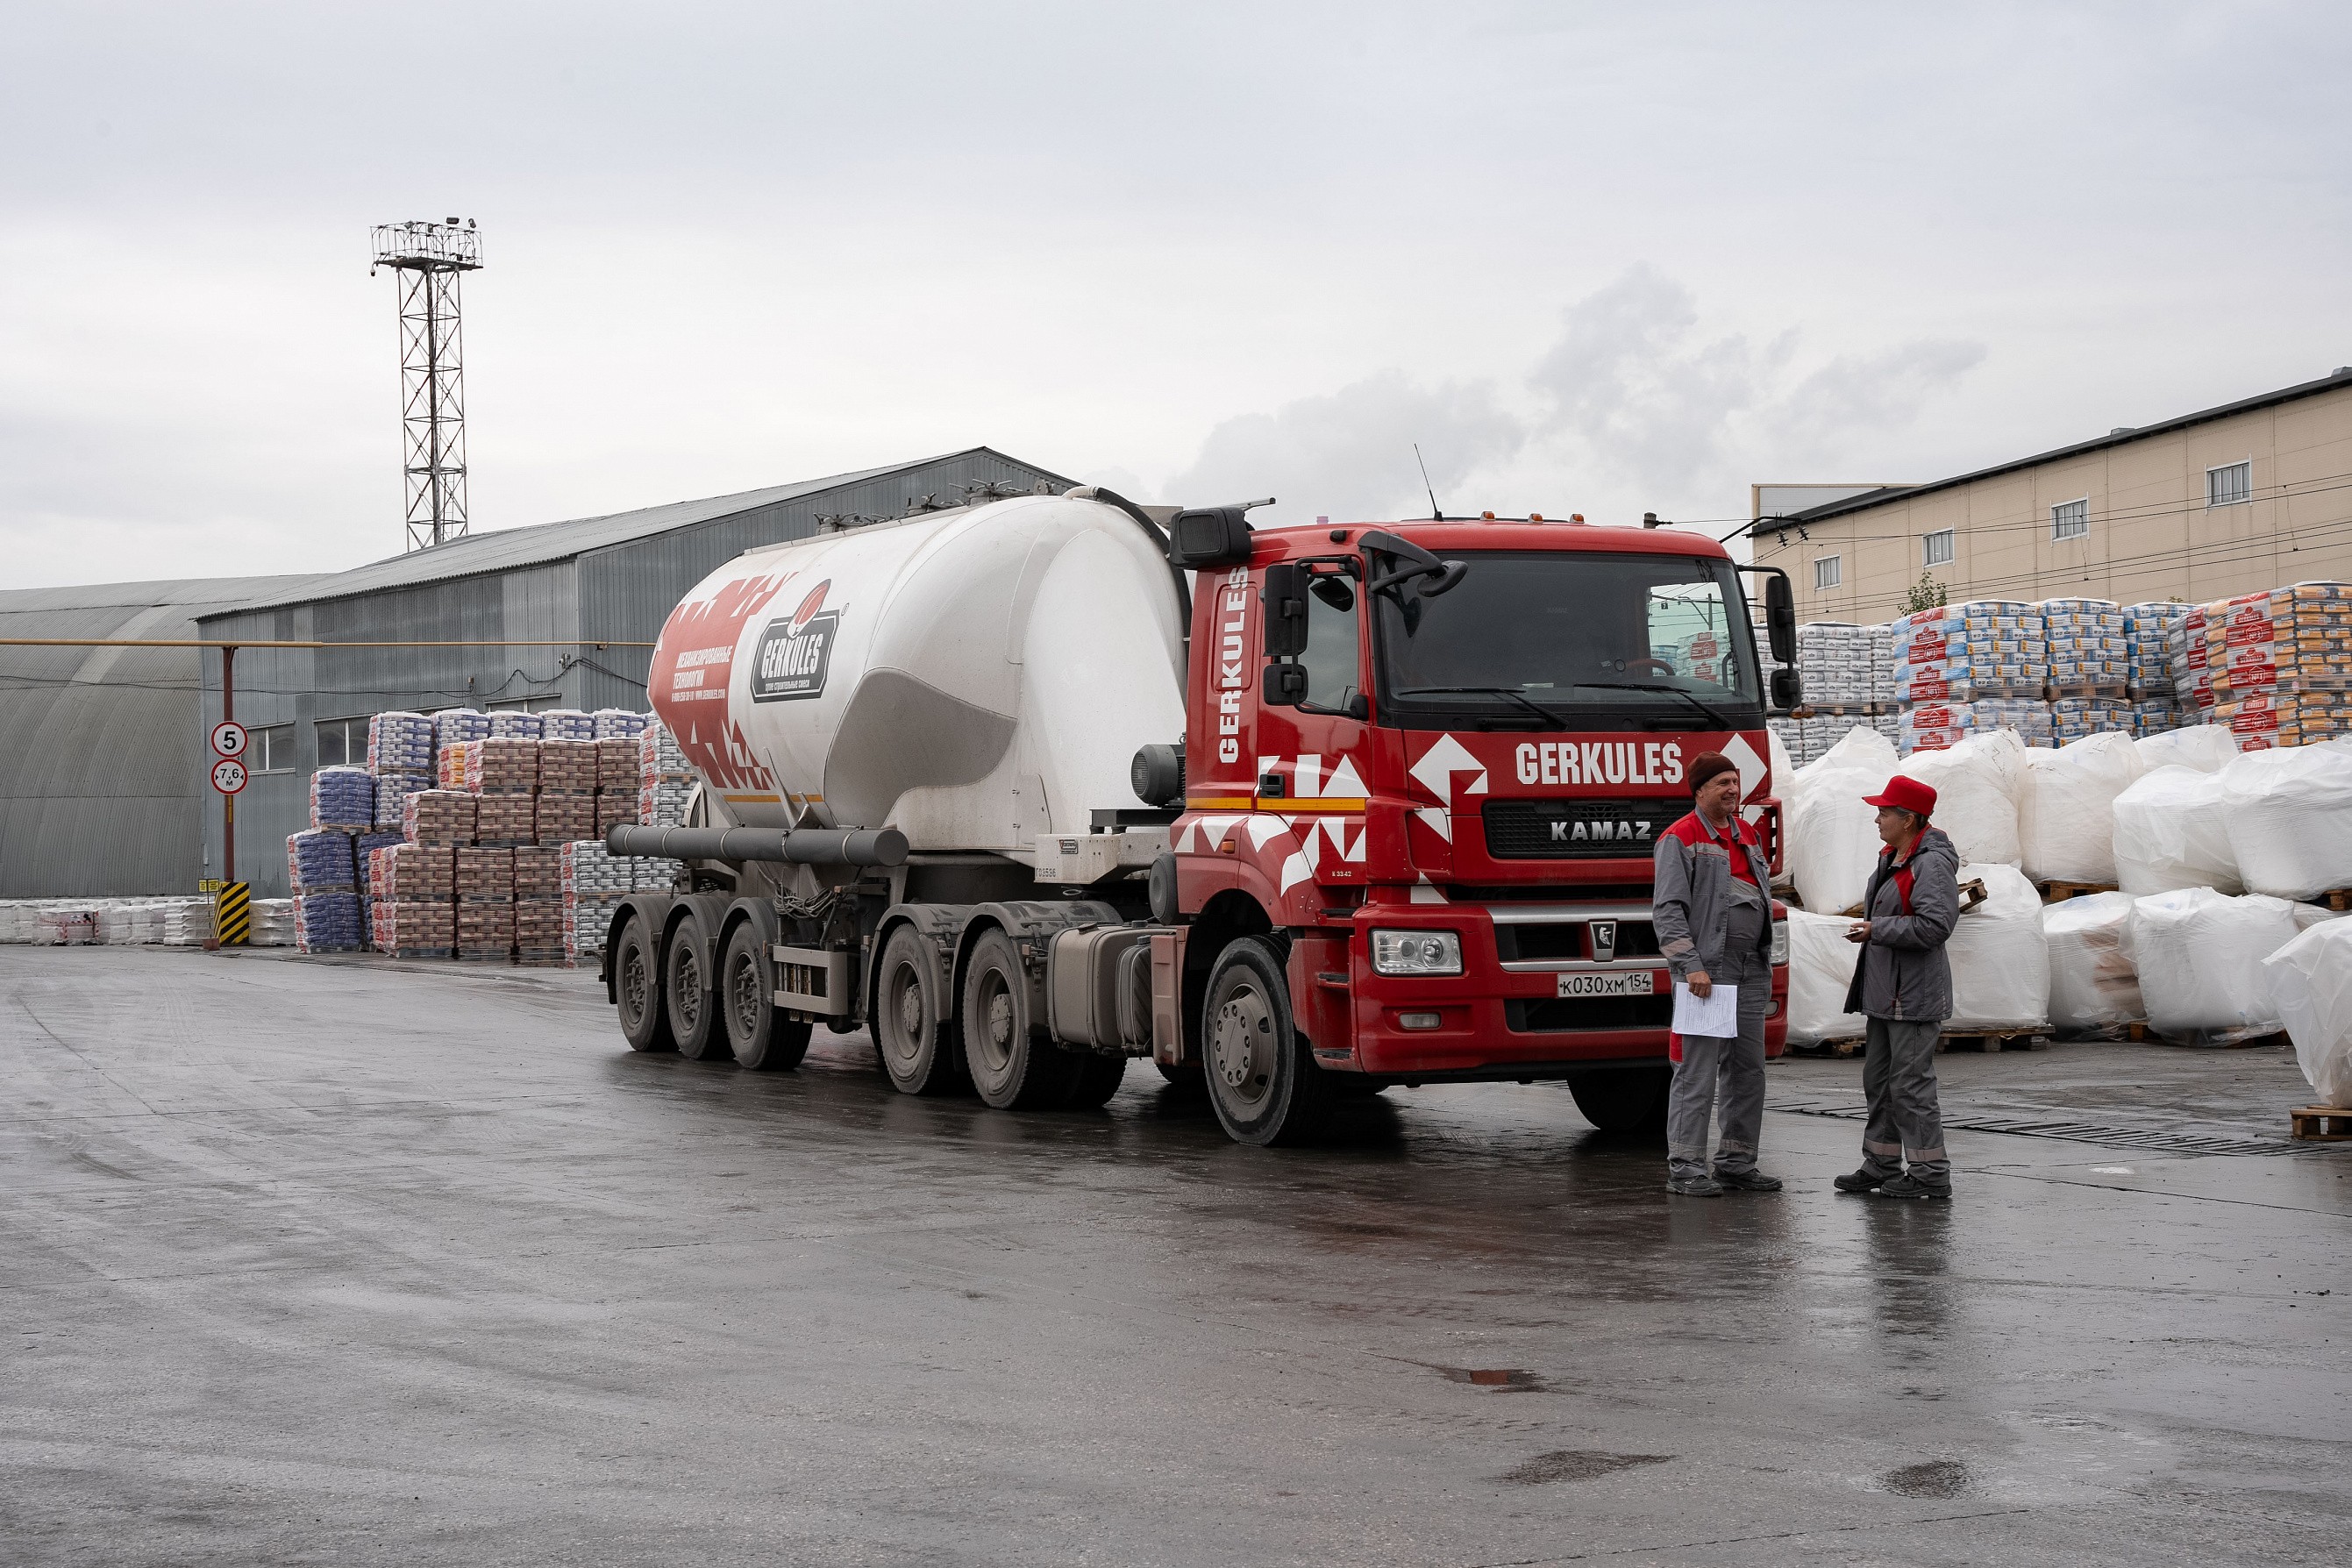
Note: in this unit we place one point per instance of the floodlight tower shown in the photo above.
(429, 256)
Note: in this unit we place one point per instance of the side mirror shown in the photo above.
(1788, 689)
(1286, 610)
(1285, 686)
(1780, 619)
(1209, 536)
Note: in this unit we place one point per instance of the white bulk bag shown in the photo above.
(2207, 748)
(2199, 956)
(2067, 826)
(2000, 965)
(2311, 991)
(1978, 786)
(2173, 831)
(1834, 841)
(1821, 969)
(2289, 814)
(2092, 984)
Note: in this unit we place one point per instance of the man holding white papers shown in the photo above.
(1712, 907)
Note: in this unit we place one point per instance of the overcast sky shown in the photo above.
(1605, 258)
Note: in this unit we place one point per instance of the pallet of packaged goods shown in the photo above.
(2280, 664)
(2192, 681)
(2087, 646)
(666, 781)
(1979, 648)
(567, 767)
(321, 860)
(2072, 718)
(1940, 726)
(538, 905)
(566, 724)
(401, 743)
(455, 726)
(330, 923)
(1837, 664)
(514, 724)
(485, 878)
(563, 817)
(505, 820)
(439, 817)
(618, 723)
(420, 927)
(616, 807)
(343, 798)
(273, 923)
(592, 883)
(2148, 649)
(500, 766)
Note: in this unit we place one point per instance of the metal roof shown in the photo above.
(2341, 378)
(507, 549)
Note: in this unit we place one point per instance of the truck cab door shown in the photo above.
(1313, 758)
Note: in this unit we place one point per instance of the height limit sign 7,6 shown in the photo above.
(228, 774)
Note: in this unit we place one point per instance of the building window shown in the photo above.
(343, 743)
(271, 750)
(1936, 549)
(1825, 572)
(2230, 485)
(2070, 520)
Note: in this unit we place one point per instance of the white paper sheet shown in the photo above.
(1717, 1013)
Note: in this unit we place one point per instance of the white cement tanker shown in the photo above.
(973, 678)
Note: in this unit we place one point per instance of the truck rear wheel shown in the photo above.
(1262, 1076)
(1623, 1100)
(762, 1037)
(912, 1033)
(1015, 1064)
(693, 1006)
(637, 989)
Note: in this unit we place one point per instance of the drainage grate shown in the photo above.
(2073, 1132)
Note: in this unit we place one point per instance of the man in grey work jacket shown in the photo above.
(1711, 905)
(1903, 987)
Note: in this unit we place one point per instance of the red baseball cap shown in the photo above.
(1906, 792)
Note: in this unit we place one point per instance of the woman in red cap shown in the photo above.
(1902, 985)
(1711, 905)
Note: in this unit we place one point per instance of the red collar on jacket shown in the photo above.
(1693, 830)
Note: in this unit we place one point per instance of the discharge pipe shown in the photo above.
(794, 845)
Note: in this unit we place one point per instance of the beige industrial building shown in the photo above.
(2224, 501)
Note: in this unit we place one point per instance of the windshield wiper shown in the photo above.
(1538, 708)
(1717, 720)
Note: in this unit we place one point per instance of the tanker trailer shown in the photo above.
(887, 722)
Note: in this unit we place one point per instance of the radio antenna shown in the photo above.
(1436, 512)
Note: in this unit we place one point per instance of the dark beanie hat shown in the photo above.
(1706, 765)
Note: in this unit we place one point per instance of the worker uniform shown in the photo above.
(1711, 908)
(1903, 987)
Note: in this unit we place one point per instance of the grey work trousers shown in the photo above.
(1724, 1075)
(1898, 1076)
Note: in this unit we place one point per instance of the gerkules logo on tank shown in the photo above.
(794, 652)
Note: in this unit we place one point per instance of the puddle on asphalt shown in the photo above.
(1509, 1378)
(1576, 1465)
(1935, 1479)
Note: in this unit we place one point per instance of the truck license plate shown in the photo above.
(1640, 982)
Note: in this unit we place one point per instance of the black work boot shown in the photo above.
(1747, 1181)
(1698, 1185)
(1860, 1181)
(1907, 1185)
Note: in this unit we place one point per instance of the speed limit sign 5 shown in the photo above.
(228, 775)
(229, 739)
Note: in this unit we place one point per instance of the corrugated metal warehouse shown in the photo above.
(590, 581)
(103, 783)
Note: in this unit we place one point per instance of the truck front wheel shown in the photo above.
(762, 1037)
(1015, 1064)
(1262, 1076)
(911, 1031)
(1623, 1100)
(636, 987)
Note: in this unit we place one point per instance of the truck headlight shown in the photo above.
(1416, 952)
(1779, 943)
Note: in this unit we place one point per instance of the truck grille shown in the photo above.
(1636, 938)
(1578, 829)
(1554, 1015)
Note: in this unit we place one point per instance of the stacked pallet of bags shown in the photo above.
(538, 905)
(1837, 664)
(2147, 665)
(567, 724)
(401, 755)
(485, 881)
(323, 875)
(514, 724)
(665, 782)
(415, 909)
(2280, 664)
(617, 782)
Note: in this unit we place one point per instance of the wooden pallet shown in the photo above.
(2059, 892)
(2338, 898)
(2052, 693)
(2320, 1124)
(1973, 893)
(1996, 1041)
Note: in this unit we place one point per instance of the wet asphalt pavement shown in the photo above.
(343, 1262)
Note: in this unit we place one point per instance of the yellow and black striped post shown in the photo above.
(232, 915)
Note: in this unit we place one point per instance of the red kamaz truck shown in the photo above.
(1032, 787)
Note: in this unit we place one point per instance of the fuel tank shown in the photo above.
(975, 679)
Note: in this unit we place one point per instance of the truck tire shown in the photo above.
(1261, 1073)
(1623, 1100)
(638, 990)
(1015, 1064)
(762, 1037)
(912, 1032)
(693, 1005)
(1185, 1077)
(1099, 1079)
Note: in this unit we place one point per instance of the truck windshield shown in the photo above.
(1591, 638)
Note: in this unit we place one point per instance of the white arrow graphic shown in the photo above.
(1438, 765)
